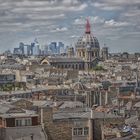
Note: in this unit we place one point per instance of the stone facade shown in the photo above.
(62, 129)
(99, 123)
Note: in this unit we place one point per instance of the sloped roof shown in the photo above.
(64, 59)
(137, 105)
(71, 104)
(81, 114)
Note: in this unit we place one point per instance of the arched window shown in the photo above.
(83, 54)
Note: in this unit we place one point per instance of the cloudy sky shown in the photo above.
(115, 23)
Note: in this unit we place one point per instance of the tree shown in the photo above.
(98, 68)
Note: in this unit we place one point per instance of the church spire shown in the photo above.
(87, 27)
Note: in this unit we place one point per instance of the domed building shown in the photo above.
(88, 47)
(85, 57)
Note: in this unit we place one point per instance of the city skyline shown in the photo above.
(114, 23)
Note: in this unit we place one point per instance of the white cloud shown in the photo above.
(60, 29)
(93, 20)
(71, 2)
(25, 12)
(97, 20)
(43, 6)
(45, 17)
(74, 36)
(105, 6)
(79, 21)
(115, 4)
(113, 23)
(132, 16)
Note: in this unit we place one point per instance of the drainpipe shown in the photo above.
(38, 96)
(42, 124)
(91, 126)
(106, 97)
(100, 98)
(32, 136)
(41, 116)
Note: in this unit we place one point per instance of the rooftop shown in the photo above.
(83, 113)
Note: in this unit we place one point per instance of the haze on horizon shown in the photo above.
(114, 23)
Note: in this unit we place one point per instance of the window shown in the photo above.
(86, 131)
(80, 67)
(73, 66)
(23, 122)
(75, 131)
(18, 122)
(28, 122)
(80, 131)
(83, 54)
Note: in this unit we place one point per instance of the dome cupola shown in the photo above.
(88, 39)
(87, 46)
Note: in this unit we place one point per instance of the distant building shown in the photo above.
(87, 47)
(29, 49)
(21, 47)
(53, 47)
(125, 55)
(87, 53)
(46, 50)
(26, 50)
(56, 48)
(7, 78)
(36, 50)
(71, 52)
(104, 53)
(32, 47)
(61, 48)
(16, 51)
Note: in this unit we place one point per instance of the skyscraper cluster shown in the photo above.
(36, 49)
